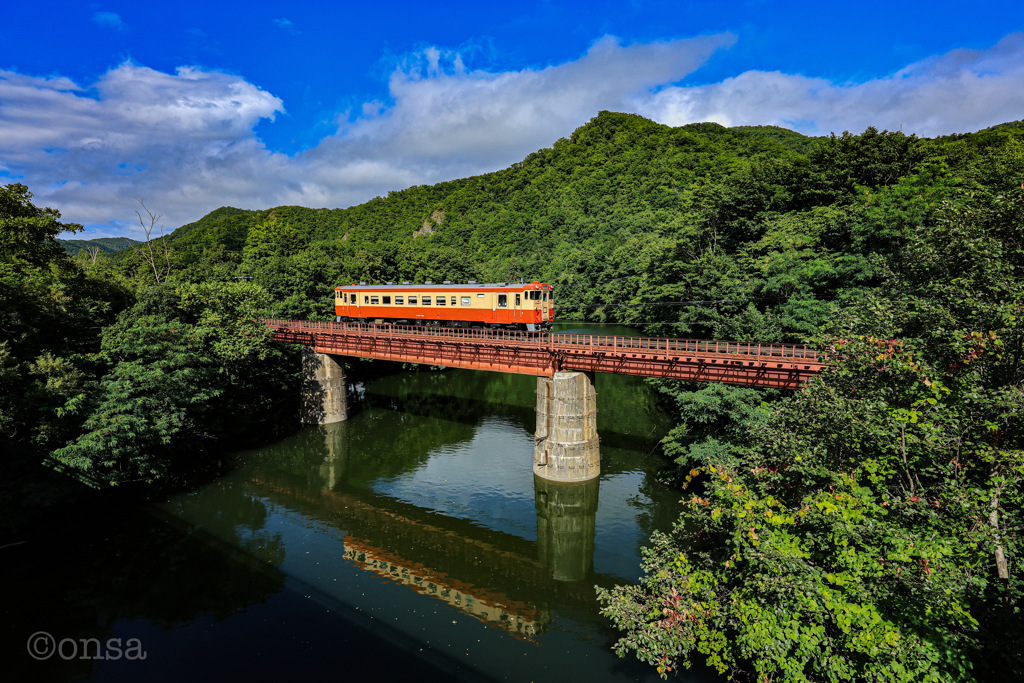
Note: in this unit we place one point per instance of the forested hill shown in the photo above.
(770, 225)
(103, 245)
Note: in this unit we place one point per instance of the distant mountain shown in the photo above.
(226, 225)
(788, 138)
(106, 245)
(1009, 125)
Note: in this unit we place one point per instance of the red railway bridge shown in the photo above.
(543, 354)
(566, 441)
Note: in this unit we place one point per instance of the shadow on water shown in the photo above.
(411, 539)
(138, 592)
(104, 566)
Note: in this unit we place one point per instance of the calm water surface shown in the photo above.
(412, 538)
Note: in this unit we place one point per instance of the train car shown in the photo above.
(520, 306)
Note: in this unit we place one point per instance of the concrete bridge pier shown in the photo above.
(566, 443)
(324, 397)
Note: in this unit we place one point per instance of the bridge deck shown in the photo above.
(543, 353)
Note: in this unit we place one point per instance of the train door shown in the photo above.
(517, 309)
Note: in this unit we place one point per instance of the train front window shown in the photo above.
(503, 301)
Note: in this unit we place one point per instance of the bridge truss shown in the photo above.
(545, 353)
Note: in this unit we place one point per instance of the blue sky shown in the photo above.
(191, 106)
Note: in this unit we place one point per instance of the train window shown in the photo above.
(426, 301)
(412, 300)
(374, 300)
(453, 301)
(440, 301)
(366, 299)
(480, 295)
(518, 303)
(551, 296)
(503, 301)
(387, 301)
(465, 301)
(399, 300)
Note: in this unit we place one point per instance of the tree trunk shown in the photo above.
(993, 520)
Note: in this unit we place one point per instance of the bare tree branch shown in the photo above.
(151, 257)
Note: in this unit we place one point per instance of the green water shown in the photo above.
(411, 538)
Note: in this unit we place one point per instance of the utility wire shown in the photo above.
(660, 303)
(623, 324)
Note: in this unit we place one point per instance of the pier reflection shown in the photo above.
(566, 524)
(499, 578)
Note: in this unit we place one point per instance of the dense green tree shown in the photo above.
(186, 365)
(50, 314)
(866, 529)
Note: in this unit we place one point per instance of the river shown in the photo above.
(411, 538)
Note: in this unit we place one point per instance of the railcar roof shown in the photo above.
(450, 285)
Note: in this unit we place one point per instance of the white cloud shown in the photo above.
(961, 91)
(447, 121)
(286, 25)
(179, 140)
(110, 20)
(185, 142)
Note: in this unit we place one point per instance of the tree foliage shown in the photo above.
(184, 364)
(867, 529)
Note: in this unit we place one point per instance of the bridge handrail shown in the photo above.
(673, 346)
(593, 343)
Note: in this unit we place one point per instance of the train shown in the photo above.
(499, 305)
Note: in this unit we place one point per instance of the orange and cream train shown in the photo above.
(522, 306)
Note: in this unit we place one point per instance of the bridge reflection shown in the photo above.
(499, 578)
(518, 618)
